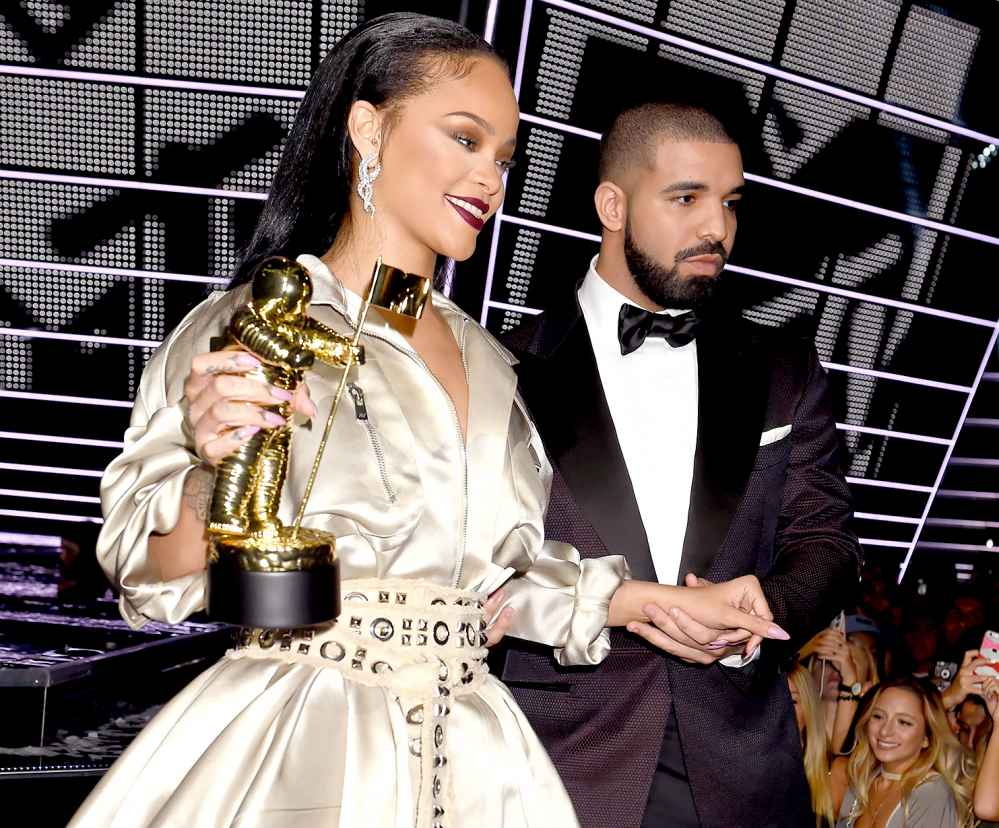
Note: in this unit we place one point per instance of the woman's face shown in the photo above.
(444, 159)
(897, 728)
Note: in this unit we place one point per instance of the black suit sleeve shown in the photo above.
(816, 567)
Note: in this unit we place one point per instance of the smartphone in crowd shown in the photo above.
(943, 674)
(990, 652)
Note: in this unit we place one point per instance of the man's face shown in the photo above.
(681, 221)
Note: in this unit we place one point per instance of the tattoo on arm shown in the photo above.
(198, 491)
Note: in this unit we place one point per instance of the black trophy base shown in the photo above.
(272, 600)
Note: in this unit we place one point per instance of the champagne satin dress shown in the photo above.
(387, 718)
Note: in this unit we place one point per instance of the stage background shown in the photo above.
(139, 137)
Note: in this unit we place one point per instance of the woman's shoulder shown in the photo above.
(933, 785)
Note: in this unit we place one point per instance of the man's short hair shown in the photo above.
(636, 132)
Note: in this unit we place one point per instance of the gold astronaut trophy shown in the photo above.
(262, 573)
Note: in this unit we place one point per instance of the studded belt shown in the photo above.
(422, 642)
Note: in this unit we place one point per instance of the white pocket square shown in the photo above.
(772, 435)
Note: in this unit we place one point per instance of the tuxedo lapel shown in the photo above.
(563, 392)
(732, 392)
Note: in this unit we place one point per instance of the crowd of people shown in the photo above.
(895, 704)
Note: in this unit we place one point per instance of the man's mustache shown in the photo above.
(707, 248)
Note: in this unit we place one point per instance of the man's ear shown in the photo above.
(364, 124)
(612, 206)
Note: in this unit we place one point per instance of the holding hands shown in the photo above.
(700, 623)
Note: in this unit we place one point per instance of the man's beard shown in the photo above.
(666, 287)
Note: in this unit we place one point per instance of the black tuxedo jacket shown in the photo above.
(780, 511)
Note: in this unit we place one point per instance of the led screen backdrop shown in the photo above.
(139, 137)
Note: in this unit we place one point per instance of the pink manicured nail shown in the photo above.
(248, 360)
(246, 432)
(778, 633)
(274, 419)
(719, 644)
(280, 393)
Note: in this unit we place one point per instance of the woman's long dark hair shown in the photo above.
(383, 61)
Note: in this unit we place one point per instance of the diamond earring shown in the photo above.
(367, 171)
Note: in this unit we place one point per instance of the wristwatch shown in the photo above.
(850, 692)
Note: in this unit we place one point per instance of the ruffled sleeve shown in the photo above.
(560, 599)
(142, 488)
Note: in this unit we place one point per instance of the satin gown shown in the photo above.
(273, 741)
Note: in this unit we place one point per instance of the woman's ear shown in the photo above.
(364, 124)
(612, 206)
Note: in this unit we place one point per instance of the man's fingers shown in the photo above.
(500, 626)
(693, 630)
(658, 638)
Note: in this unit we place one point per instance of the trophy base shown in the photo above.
(245, 586)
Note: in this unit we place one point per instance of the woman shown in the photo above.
(808, 715)
(907, 769)
(845, 670)
(435, 486)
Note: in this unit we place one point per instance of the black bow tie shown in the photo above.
(635, 324)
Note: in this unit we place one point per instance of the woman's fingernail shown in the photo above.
(247, 360)
(279, 393)
(274, 419)
(717, 645)
(247, 431)
(632, 628)
(778, 633)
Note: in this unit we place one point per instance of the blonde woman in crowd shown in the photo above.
(808, 714)
(907, 768)
(844, 668)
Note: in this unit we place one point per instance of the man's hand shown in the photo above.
(497, 624)
(704, 623)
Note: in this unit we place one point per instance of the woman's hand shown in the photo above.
(225, 408)
(965, 682)
(497, 624)
(832, 646)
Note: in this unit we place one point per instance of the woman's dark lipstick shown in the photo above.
(468, 216)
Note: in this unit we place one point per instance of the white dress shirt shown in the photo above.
(652, 397)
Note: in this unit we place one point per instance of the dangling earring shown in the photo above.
(367, 171)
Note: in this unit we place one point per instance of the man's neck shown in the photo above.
(613, 269)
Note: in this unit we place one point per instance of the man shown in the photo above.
(698, 445)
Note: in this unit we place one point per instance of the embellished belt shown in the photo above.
(422, 642)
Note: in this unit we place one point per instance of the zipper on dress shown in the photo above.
(361, 412)
(461, 440)
(457, 424)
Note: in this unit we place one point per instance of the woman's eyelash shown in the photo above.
(470, 144)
